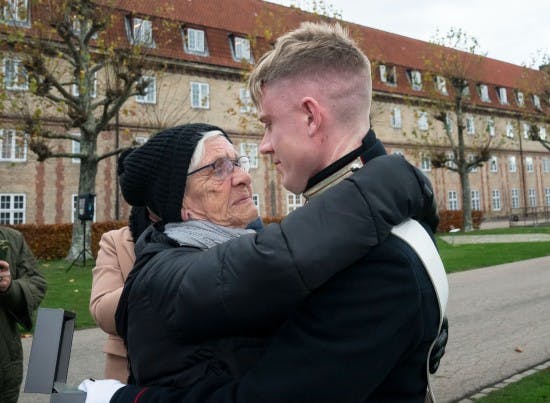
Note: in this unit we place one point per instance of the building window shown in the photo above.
(15, 12)
(293, 202)
(441, 84)
(12, 209)
(256, 201)
(532, 196)
(484, 92)
(448, 122)
(193, 41)
(470, 125)
(140, 31)
(395, 118)
(426, 163)
(470, 159)
(398, 152)
(388, 74)
(515, 198)
(526, 130)
(536, 101)
(491, 127)
(520, 98)
(495, 200)
(15, 75)
(93, 93)
(453, 200)
(542, 133)
(450, 163)
(241, 49)
(529, 164)
(547, 196)
(546, 165)
(150, 95)
(245, 101)
(415, 78)
(512, 166)
(493, 164)
(502, 95)
(251, 151)
(423, 121)
(476, 203)
(509, 130)
(13, 145)
(200, 95)
(140, 140)
(74, 209)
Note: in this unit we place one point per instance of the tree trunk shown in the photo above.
(466, 201)
(82, 231)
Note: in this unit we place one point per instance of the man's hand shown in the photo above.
(100, 391)
(5, 276)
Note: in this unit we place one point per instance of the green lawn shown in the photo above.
(532, 389)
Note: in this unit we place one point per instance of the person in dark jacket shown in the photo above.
(353, 335)
(22, 288)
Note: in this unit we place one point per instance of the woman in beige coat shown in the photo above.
(115, 259)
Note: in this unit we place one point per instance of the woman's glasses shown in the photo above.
(223, 167)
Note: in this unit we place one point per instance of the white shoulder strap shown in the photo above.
(411, 232)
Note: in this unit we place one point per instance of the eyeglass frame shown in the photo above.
(238, 162)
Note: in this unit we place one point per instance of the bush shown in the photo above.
(449, 219)
(52, 241)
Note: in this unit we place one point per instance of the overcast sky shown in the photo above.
(512, 31)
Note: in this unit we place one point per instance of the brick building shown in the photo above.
(204, 47)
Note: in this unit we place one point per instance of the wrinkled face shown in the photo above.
(226, 201)
(286, 135)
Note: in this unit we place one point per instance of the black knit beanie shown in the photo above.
(154, 175)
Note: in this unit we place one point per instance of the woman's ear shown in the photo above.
(185, 214)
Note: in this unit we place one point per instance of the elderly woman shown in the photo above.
(205, 293)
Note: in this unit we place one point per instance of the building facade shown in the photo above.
(202, 54)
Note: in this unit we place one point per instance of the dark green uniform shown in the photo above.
(17, 305)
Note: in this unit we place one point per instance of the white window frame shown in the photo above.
(470, 124)
(470, 159)
(150, 96)
(245, 100)
(545, 165)
(76, 92)
(241, 49)
(491, 127)
(256, 201)
(395, 118)
(141, 31)
(448, 122)
(532, 197)
(422, 122)
(416, 79)
(74, 207)
(19, 81)
(251, 151)
(12, 215)
(426, 163)
(388, 74)
(200, 95)
(493, 164)
(484, 93)
(13, 10)
(529, 164)
(441, 85)
(495, 200)
(542, 133)
(452, 200)
(450, 163)
(475, 199)
(536, 101)
(10, 142)
(75, 148)
(195, 41)
(520, 98)
(502, 95)
(512, 164)
(526, 130)
(514, 198)
(398, 152)
(509, 130)
(547, 196)
(293, 202)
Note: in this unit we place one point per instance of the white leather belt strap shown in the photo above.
(411, 232)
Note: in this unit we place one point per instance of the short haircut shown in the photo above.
(312, 51)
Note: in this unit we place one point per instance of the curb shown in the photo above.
(514, 378)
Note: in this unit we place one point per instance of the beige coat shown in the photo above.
(114, 261)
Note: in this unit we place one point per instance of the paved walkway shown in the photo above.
(498, 328)
(497, 238)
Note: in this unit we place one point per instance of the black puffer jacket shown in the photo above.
(191, 314)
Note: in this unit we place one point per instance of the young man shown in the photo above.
(22, 288)
(365, 334)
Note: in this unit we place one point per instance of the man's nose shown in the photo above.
(265, 145)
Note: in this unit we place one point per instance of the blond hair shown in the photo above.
(313, 51)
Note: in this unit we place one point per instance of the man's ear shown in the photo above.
(312, 109)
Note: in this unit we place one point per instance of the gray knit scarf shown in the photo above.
(202, 234)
